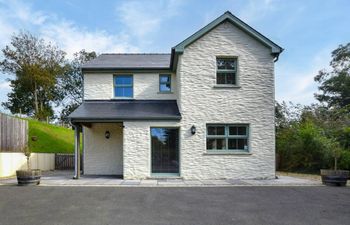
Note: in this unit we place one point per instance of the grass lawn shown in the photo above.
(50, 138)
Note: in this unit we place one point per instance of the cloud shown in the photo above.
(141, 19)
(6, 31)
(4, 90)
(19, 15)
(255, 10)
(297, 83)
(72, 38)
(5, 85)
(23, 12)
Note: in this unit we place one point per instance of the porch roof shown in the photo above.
(120, 110)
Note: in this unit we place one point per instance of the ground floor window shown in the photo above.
(230, 137)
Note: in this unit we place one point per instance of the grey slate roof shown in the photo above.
(129, 61)
(118, 110)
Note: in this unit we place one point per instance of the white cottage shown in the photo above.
(204, 111)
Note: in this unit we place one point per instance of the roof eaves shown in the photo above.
(120, 119)
(124, 69)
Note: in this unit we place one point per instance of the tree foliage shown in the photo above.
(335, 84)
(71, 83)
(36, 66)
(311, 138)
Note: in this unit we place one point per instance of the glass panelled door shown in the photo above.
(165, 150)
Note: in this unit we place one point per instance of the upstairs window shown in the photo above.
(164, 83)
(227, 137)
(226, 70)
(123, 86)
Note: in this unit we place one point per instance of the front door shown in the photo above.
(165, 150)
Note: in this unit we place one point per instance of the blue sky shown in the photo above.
(308, 30)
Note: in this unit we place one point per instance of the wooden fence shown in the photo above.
(66, 161)
(13, 134)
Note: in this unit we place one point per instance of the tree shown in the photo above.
(309, 137)
(303, 143)
(287, 114)
(335, 84)
(19, 100)
(36, 66)
(71, 83)
(335, 91)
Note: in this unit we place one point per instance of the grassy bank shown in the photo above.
(50, 138)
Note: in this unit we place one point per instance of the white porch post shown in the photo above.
(76, 152)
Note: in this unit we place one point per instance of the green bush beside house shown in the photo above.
(308, 140)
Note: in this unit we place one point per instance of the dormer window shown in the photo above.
(123, 86)
(226, 70)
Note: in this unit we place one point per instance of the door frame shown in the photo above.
(163, 175)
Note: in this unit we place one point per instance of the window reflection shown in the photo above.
(165, 154)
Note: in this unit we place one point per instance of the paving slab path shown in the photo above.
(64, 178)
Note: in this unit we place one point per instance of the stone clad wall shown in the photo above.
(252, 103)
(137, 147)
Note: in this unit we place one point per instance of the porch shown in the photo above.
(117, 137)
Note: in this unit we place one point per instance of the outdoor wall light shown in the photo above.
(193, 130)
(107, 134)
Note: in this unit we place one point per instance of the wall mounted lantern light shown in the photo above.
(193, 130)
(107, 134)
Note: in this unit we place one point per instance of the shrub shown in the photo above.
(304, 147)
(344, 160)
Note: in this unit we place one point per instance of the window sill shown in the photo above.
(165, 175)
(122, 98)
(165, 92)
(226, 86)
(227, 153)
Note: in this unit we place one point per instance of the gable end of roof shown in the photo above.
(228, 16)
